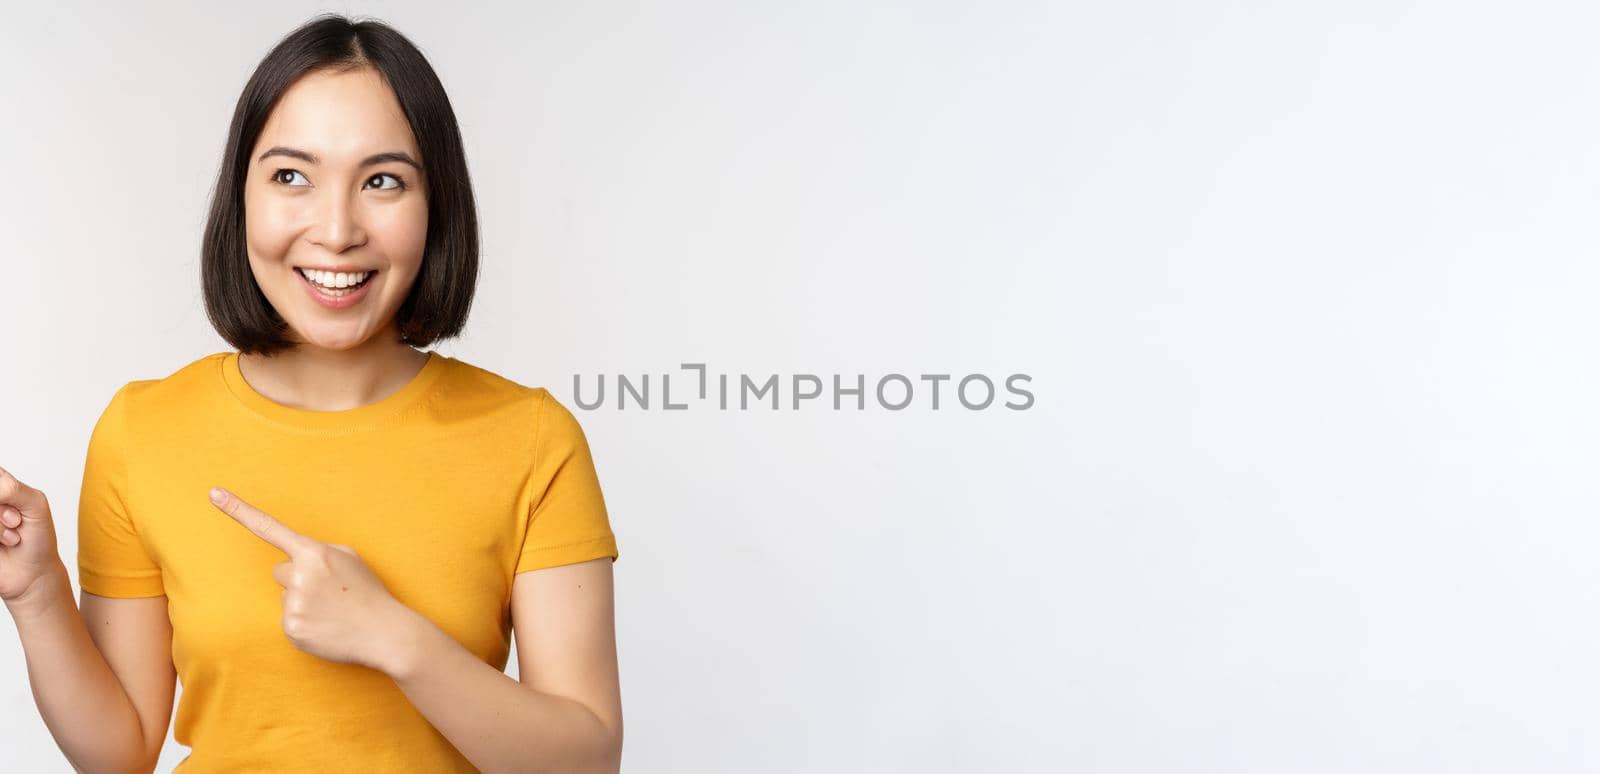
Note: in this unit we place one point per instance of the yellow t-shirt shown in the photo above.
(446, 489)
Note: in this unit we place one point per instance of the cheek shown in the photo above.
(270, 226)
(402, 232)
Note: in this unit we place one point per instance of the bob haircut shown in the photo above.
(436, 306)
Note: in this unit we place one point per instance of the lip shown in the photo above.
(348, 299)
(347, 268)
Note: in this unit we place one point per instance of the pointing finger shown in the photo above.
(264, 526)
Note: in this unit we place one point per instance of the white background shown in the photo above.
(1307, 293)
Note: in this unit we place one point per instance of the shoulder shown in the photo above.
(135, 400)
(556, 423)
(179, 388)
(474, 382)
(552, 422)
(468, 390)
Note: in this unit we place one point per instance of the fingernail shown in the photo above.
(217, 496)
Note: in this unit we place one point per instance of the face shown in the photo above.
(335, 183)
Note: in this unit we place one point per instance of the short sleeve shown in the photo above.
(567, 521)
(112, 560)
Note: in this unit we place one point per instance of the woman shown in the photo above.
(384, 517)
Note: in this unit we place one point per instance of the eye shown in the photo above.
(278, 177)
(399, 184)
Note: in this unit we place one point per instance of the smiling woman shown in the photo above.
(317, 626)
(328, 167)
(354, 182)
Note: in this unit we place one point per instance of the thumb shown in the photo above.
(29, 502)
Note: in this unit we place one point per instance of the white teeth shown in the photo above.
(334, 280)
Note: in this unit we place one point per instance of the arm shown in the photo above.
(565, 715)
(103, 680)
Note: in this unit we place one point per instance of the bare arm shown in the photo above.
(566, 713)
(108, 711)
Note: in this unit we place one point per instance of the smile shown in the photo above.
(335, 291)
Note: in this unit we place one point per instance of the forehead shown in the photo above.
(339, 115)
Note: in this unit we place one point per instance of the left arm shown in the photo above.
(565, 714)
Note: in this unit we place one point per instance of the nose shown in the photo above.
(338, 226)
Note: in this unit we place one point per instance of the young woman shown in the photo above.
(329, 534)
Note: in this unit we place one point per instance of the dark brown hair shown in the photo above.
(441, 296)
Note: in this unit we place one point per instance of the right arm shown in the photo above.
(102, 678)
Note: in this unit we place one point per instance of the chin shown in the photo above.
(333, 343)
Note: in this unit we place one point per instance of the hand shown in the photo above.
(28, 555)
(334, 607)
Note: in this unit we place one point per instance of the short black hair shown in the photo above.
(441, 295)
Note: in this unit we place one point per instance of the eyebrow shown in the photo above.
(376, 158)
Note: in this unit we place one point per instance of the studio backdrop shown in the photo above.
(975, 387)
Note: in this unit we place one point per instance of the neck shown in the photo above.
(318, 379)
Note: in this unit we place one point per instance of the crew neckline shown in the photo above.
(360, 417)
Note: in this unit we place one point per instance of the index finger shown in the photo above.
(263, 525)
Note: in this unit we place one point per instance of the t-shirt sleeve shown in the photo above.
(567, 521)
(112, 560)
